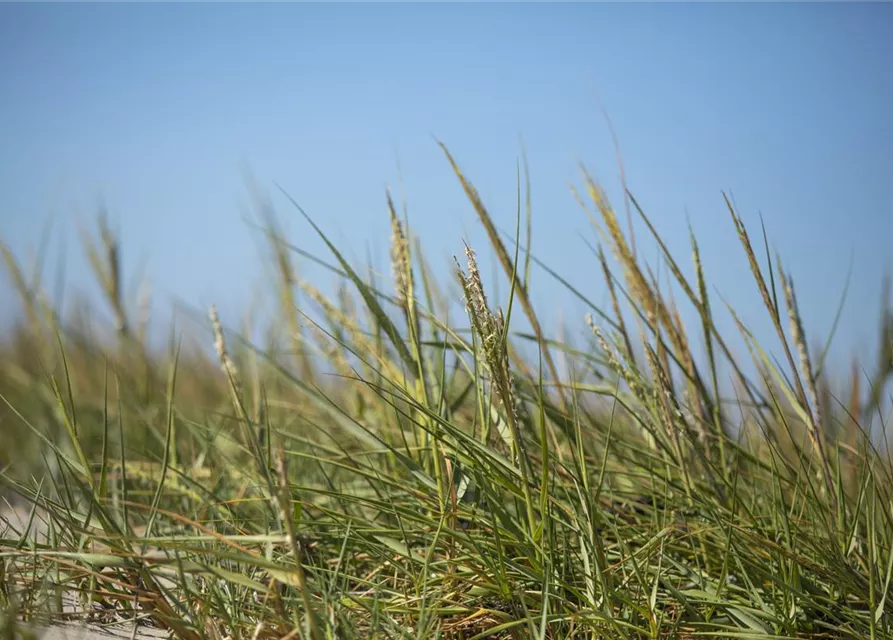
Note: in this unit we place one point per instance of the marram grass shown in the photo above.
(371, 470)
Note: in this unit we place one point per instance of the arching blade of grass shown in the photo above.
(508, 266)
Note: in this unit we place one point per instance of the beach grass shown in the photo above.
(373, 468)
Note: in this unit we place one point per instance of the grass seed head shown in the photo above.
(226, 362)
(400, 261)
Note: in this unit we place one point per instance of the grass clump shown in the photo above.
(374, 472)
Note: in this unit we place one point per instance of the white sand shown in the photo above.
(18, 517)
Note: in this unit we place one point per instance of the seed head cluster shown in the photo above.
(490, 328)
(226, 362)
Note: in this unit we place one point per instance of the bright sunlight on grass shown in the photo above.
(374, 471)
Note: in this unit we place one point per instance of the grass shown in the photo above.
(373, 471)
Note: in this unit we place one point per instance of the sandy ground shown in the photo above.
(88, 633)
(18, 517)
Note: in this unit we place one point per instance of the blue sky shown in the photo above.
(162, 110)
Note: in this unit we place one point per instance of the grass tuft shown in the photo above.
(368, 469)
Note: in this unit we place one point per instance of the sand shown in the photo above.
(17, 516)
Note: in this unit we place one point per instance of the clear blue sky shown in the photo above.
(159, 109)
